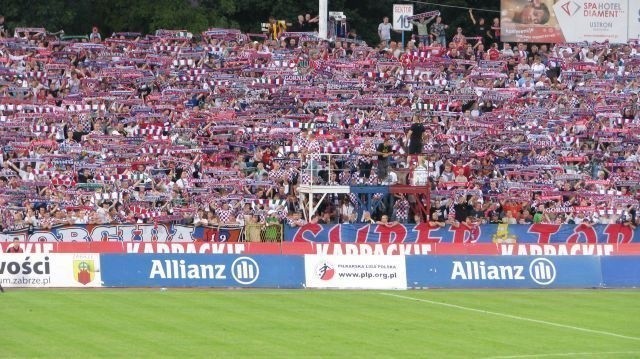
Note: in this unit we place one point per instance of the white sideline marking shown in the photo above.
(557, 355)
(510, 316)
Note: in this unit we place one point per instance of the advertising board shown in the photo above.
(593, 20)
(358, 272)
(53, 270)
(503, 272)
(529, 21)
(558, 21)
(344, 271)
(634, 20)
(621, 272)
(202, 270)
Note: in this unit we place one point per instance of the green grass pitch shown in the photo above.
(184, 323)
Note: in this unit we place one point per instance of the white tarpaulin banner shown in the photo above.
(593, 20)
(51, 270)
(355, 272)
(634, 19)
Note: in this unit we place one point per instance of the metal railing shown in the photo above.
(263, 232)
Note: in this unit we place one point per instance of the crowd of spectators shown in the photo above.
(223, 128)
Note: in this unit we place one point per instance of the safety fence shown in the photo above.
(540, 233)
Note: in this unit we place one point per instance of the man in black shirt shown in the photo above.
(440, 209)
(415, 136)
(383, 151)
(300, 25)
(480, 28)
(462, 208)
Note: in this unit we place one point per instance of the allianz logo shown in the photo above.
(245, 270)
(541, 271)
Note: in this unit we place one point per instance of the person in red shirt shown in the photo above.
(15, 247)
(267, 158)
(466, 167)
(494, 53)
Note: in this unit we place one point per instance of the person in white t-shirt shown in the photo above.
(25, 175)
(95, 36)
(183, 182)
(538, 68)
(384, 31)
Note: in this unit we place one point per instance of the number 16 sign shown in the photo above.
(401, 12)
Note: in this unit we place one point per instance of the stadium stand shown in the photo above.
(223, 128)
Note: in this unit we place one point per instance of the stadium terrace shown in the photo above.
(226, 128)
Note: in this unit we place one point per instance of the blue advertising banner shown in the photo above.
(202, 270)
(288, 271)
(620, 271)
(486, 233)
(503, 272)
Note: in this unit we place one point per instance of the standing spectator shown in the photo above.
(401, 208)
(365, 152)
(312, 22)
(274, 29)
(383, 151)
(459, 39)
(423, 31)
(415, 136)
(95, 36)
(493, 52)
(353, 34)
(384, 31)
(3, 31)
(495, 30)
(346, 210)
(438, 31)
(538, 68)
(506, 50)
(480, 28)
(300, 24)
(462, 209)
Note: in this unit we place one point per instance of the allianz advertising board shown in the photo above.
(197, 270)
(503, 272)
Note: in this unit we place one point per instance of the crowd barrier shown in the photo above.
(541, 233)
(486, 233)
(71, 270)
(338, 249)
(160, 232)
